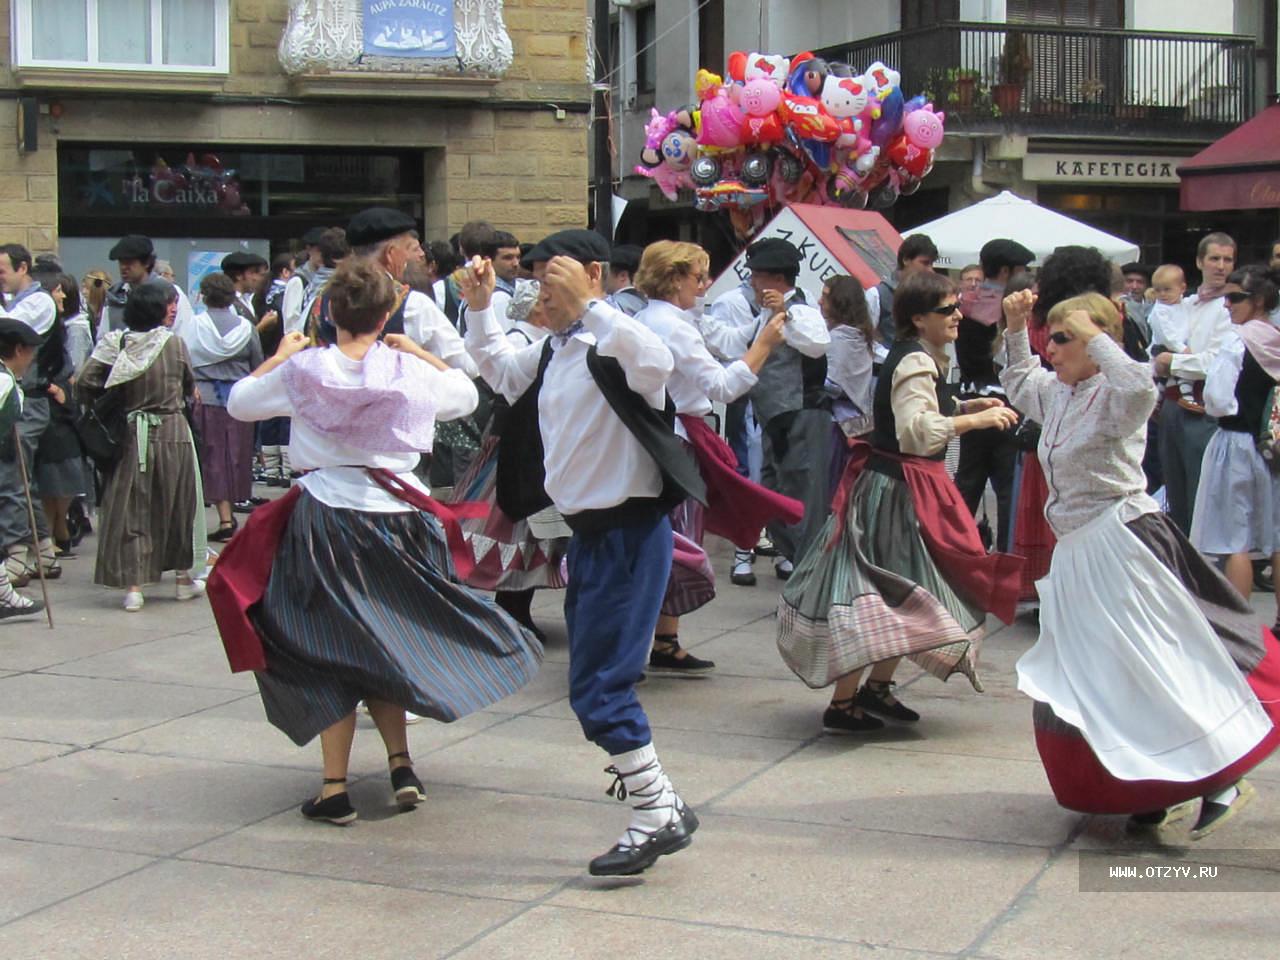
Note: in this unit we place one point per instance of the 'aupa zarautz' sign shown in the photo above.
(409, 28)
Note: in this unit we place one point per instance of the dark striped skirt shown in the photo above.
(364, 606)
(692, 583)
(226, 454)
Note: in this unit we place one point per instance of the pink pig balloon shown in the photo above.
(923, 127)
(759, 96)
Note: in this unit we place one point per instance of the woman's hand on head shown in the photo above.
(1080, 326)
(1017, 309)
(290, 344)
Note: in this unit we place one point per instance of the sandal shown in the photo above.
(336, 809)
(405, 783)
(876, 697)
(840, 718)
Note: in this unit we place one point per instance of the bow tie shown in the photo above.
(565, 335)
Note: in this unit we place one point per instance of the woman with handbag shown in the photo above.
(899, 568)
(1237, 508)
(1155, 683)
(150, 519)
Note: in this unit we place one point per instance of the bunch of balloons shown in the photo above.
(780, 130)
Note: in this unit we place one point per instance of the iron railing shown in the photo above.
(1031, 76)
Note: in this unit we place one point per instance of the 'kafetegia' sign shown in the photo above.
(1101, 168)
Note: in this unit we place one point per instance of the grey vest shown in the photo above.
(788, 381)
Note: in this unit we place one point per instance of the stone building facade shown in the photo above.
(253, 155)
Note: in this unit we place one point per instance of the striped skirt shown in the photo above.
(364, 606)
(874, 594)
(692, 583)
(1033, 539)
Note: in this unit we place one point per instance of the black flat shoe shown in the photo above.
(20, 609)
(408, 788)
(625, 860)
(1213, 815)
(1158, 819)
(664, 660)
(839, 718)
(874, 698)
(224, 532)
(336, 809)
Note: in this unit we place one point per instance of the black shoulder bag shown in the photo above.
(101, 427)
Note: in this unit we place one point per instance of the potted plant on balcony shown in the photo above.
(963, 83)
(1090, 102)
(1015, 67)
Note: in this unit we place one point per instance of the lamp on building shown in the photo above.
(28, 124)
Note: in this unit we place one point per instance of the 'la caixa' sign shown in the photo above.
(1101, 168)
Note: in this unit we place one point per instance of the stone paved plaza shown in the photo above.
(148, 810)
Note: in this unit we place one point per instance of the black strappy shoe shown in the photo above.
(336, 809)
(405, 783)
(874, 698)
(839, 718)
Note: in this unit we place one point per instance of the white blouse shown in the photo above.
(336, 476)
(698, 378)
(1094, 434)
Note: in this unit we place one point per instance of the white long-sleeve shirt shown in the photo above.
(1203, 327)
(592, 461)
(336, 477)
(698, 378)
(34, 307)
(730, 324)
(295, 292)
(1223, 377)
(427, 326)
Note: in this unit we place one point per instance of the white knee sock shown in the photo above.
(1225, 797)
(642, 782)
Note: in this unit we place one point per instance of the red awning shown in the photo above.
(1239, 172)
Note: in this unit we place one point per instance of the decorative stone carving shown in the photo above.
(324, 36)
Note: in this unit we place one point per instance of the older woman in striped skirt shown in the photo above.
(360, 601)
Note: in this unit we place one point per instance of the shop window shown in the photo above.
(183, 36)
(646, 50)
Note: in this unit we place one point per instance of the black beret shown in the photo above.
(312, 237)
(11, 329)
(132, 247)
(377, 224)
(1136, 267)
(773, 255)
(242, 260)
(626, 256)
(1004, 253)
(585, 246)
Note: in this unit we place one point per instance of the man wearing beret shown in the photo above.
(788, 394)
(624, 262)
(296, 288)
(26, 301)
(136, 257)
(584, 432)
(390, 238)
(18, 346)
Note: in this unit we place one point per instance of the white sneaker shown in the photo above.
(133, 601)
(783, 568)
(189, 591)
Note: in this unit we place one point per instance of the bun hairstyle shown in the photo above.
(361, 296)
(1101, 311)
(1259, 280)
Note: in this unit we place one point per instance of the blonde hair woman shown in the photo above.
(673, 275)
(1154, 682)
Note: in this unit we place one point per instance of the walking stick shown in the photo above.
(31, 516)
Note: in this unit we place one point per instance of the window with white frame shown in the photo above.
(182, 36)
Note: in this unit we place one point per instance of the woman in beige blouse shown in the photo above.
(899, 569)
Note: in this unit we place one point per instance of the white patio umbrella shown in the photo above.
(960, 235)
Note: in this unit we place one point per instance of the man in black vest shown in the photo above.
(584, 433)
(247, 271)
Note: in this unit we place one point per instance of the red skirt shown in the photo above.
(1033, 539)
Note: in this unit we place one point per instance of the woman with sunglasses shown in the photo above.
(899, 568)
(673, 275)
(1237, 506)
(1154, 682)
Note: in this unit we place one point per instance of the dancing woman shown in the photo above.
(899, 569)
(1154, 682)
(358, 599)
(673, 275)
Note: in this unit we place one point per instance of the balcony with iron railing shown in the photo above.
(1031, 79)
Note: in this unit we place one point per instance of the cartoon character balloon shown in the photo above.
(923, 127)
(669, 151)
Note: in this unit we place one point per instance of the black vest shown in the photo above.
(521, 474)
(1252, 391)
(885, 435)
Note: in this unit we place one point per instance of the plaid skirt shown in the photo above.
(873, 594)
(364, 606)
(692, 583)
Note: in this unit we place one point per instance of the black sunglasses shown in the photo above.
(1237, 296)
(945, 309)
(1060, 338)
